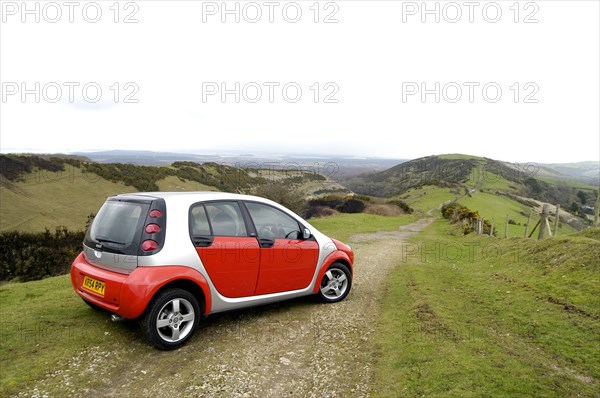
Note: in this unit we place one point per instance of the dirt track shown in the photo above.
(298, 348)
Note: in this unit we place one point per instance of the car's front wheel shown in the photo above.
(171, 318)
(336, 283)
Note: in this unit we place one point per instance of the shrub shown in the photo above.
(282, 194)
(402, 205)
(383, 210)
(347, 204)
(321, 211)
(30, 256)
(457, 213)
(352, 206)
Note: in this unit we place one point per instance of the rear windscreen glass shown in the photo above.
(117, 227)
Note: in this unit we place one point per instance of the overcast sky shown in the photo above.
(378, 78)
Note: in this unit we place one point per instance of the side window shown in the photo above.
(273, 223)
(199, 221)
(226, 219)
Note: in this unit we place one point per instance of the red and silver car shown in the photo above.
(171, 259)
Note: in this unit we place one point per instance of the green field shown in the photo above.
(568, 183)
(342, 226)
(427, 198)
(175, 184)
(54, 323)
(496, 207)
(492, 206)
(50, 199)
(494, 182)
(473, 317)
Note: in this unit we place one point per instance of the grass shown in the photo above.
(43, 323)
(569, 183)
(497, 207)
(474, 316)
(427, 198)
(50, 199)
(492, 181)
(342, 226)
(459, 156)
(175, 184)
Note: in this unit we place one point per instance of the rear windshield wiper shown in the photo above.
(106, 240)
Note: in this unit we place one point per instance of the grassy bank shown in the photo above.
(342, 226)
(477, 316)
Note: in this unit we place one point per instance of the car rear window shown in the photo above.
(117, 227)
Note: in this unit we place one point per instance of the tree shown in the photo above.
(574, 208)
(583, 197)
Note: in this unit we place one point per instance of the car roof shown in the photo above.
(193, 196)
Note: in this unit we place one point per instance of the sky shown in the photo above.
(395, 79)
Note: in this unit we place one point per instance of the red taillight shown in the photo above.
(152, 228)
(155, 213)
(149, 245)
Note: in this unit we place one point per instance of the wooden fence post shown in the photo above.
(544, 221)
(506, 227)
(492, 228)
(528, 222)
(556, 219)
(596, 211)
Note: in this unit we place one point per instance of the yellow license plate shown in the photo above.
(94, 285)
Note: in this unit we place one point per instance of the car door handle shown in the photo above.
(202, 241)
(266, 242)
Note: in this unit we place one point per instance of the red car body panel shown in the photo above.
(232, 264)
(288, 265)
(128, 295)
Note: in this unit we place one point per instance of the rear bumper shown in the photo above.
(111, 300)
(129, 295)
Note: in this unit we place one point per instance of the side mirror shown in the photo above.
(306, 234)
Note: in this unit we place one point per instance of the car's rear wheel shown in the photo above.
(171, 318)
(336, 283)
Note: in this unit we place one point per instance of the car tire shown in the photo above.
(335, 284)
(171, 318)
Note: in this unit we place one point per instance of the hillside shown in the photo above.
(511, 317)
(39, 192)
(586, 171)
(483, 183)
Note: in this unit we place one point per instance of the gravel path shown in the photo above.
(298, 348)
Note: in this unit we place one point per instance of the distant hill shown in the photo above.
(38, 192)
(586, 171)
(330, 166)
(465, 176)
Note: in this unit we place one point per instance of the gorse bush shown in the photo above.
(459, 214)
(28, 256)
